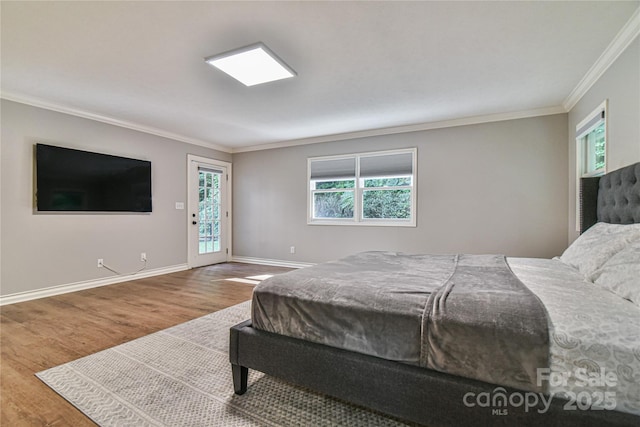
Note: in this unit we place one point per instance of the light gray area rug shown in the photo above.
(181, 376)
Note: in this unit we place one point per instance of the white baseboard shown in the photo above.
(273, 262)
(78, 286)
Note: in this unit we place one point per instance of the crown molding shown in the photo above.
(621, 41)
(487, 118)
(40, 103)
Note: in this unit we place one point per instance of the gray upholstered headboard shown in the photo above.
(612, 198)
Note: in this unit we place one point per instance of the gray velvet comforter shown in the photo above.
(467, 315)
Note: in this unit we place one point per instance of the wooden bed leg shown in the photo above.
(240, 376)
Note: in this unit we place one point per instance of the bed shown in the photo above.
(407, 364)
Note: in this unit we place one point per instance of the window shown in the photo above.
(591, 140)
(363, 189)
(591, 149)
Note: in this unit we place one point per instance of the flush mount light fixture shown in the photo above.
(252, 65)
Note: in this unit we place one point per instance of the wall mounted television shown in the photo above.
(69, 180)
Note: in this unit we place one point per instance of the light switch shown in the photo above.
(179, 205)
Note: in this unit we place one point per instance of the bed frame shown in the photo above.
(416, 394)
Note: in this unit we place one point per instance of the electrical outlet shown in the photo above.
(100, 263)
(293, 249)
(143, 256)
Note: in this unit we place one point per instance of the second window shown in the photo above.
(363, 189)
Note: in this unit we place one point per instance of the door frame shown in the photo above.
(190, 182)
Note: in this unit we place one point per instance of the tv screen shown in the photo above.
(81, 181)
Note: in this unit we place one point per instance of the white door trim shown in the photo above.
(190, 183)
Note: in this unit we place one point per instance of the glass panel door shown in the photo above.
(208, 217)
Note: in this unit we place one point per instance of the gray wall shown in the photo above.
(489, 188)
(620, 84)
(43, 250)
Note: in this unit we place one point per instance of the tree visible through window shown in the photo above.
(209, 210)
(387, 198)
(595, 142)
(336, 202)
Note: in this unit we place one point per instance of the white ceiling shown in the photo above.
(360, 65)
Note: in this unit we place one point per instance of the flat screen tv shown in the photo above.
(70, 180)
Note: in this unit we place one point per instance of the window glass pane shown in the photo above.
(390, 204)
(209, 209)
(216, 236)
(388, 182)
(330, 185)
(594, 149)
(335, 204)
(216, 211)
(596, 146)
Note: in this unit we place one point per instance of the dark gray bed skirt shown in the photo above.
(407, 392)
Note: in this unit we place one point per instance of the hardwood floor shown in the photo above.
(40, 334)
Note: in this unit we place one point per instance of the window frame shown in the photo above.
(359, 189)
(587, 125)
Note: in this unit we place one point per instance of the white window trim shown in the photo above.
(358, 190)
(580, 148)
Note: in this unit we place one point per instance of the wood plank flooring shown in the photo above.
(40, 334)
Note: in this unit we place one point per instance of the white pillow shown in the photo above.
(621, 274)
(595, 246)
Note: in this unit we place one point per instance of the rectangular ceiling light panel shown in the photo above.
(252, 65)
